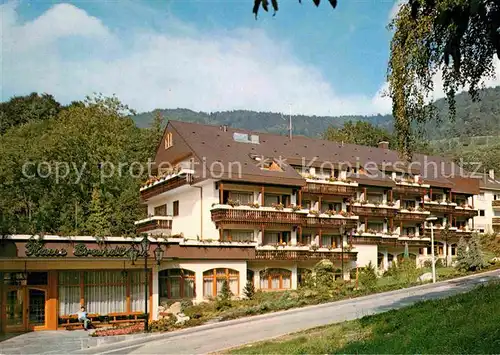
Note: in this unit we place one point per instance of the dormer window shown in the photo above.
(168, 140)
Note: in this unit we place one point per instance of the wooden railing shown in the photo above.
(164, 186)
(154, 224)
(327, 189)
(495, 204)
(256, 216)
(330, 222)
(496, 221)
(437, 208)
(302, 255)
(409, 190)
(463, 212)
(417, 217)
(370, 211)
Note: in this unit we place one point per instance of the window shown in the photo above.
(453, 250)
(328, 240)
(244, 198)
(238, 235)
(374, 197)
(275, 279)
(168, 140)
(176, 208)
(273, 238)
(101, 292)
(481, 213)
(177, 283)
(481, 230)
(214, 279)
(161, 210)
(409, 204)
(377, 227)
(332, 206)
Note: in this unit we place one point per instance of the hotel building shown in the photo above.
(230, 204)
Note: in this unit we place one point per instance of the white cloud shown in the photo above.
(241, 70)
(70, 54)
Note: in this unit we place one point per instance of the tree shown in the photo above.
(99, 216)
(359, 132)
(249, 290)
(23, 109)
(475, 258)
(368, 276)
(462, 262)
(223, 300)
(274, 3)
(458, 38)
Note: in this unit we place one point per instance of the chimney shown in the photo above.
(383, 145)
(491, 173)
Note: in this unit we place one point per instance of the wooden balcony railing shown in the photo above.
(495, 204)
(411, 217)
(154, 224)
(301, 255)
(496, 221)
(370, 211)
(329, 189)
(330, 223)
(438, 208)
(164, 186)
(465, 212)
(409, 190)
(256, 216)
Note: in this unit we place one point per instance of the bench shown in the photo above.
(131, 317)
(71, 321)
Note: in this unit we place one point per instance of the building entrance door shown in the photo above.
(25, 305)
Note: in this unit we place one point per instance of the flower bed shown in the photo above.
(129, 329)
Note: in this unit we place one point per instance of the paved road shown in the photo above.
(216, 337)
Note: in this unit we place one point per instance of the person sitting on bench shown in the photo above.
(82, 318)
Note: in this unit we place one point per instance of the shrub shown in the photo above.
(475, 258)
(162, 325)
(368, 276)
(249, 290)
(223, 300)
(185, 304)
(407, 272)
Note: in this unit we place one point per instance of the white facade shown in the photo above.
(484, 203)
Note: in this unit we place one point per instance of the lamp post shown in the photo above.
(431, 219)
(145, 248)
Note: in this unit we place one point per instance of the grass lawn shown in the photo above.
(467, 323)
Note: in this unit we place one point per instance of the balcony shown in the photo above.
(156, 186)
(414, 215)
(155, 225)
(495, 204)
(302, 255)
(225, 214)
(373, 210)
(440, 207)
(410, 188)
(247, 215)
(453, 233)
(495, 221)
(465, 211)
(330, 222)
(330, 188)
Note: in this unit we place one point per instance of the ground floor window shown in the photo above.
(275, 279)
(453, 250)
(101, 292)
(177, 283)
(380, 260)
(235, 235)
(214, 279)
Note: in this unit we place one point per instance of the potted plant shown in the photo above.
(314, 212)
(278, 206)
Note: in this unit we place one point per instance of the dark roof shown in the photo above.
(488, 183)
(217, 145)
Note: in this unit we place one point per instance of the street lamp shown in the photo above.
(145, 248)
(159, 254)
(431, 219)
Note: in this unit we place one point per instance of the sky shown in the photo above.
(204, 55)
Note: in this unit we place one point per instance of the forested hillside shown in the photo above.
(472, 119)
